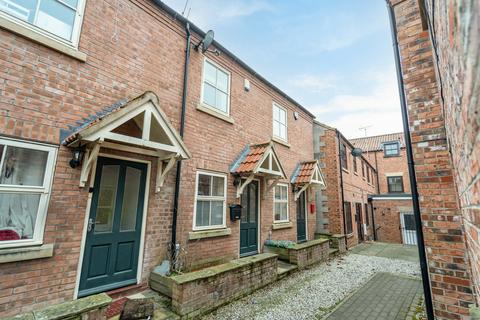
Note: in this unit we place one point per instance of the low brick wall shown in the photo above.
(339, 241)
(310, 252)
(88, 308)
(202, 291)
(303, 254)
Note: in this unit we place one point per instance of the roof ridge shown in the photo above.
(378, 135)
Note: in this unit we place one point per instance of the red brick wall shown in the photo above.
(441, 215)
(43, 91)
(457, 35)
(387, 219)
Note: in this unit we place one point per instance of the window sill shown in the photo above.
(355, 173)
(345, 170)
(280, 141)
(210, 111)
(26, 253)
(42, 39)
(281, 225)
(350, 235)
(194, 235)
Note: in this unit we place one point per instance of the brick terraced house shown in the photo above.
(392, 204)
(351, 180)
(91, 135)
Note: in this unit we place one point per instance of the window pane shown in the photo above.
(283, 212)
(72, 3)
(284, 192)
(282, 132)
(130, 199)
(106, 198)
(217, 213)
(252, 190)
(22, 9)
(282, 115)
(277, 211)
(203, 213)
(209, 94)
(278, 192)
(221, 101)
(23, 166)
(222, 81)
(276, 128)
(210, 73)
(18, 213)
(204, 182)
(56, 18)
(218, 188)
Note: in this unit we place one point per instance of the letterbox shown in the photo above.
(235, 212)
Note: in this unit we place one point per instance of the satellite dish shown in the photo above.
(207, 40)
(356, 152)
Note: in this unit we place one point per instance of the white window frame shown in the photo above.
(281, 201)
(211, 198)
(77, 25)
(44, 191)
(206, 105)
(276, 105)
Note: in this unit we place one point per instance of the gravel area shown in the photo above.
(312, 293)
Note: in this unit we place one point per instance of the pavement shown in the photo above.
(387, 250)
(385, 296)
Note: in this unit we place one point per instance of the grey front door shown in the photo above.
(249, 220)
(113, 237)
(301, 219)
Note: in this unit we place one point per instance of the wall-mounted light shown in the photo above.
(296, 115)
(237, 180)
(77, 157)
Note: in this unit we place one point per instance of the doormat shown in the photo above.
(116, 307)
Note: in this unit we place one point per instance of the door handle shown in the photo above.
(90, 225)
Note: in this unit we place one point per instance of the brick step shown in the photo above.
(285, 269)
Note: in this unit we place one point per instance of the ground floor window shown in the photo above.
(210, 200)
(348, 217)
(26, 171)
(280, 203)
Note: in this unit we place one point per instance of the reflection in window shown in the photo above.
(210, 203)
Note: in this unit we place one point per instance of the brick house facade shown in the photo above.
(438, 46)
(392, 205)
(57, 87)
(350, 181)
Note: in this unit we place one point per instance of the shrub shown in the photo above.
(287, 244)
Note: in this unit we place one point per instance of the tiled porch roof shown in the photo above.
(303, 172)
(249, 158)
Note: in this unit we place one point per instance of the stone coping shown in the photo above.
(68, 310)
(282, 225)
(310, 243)
(216, 270)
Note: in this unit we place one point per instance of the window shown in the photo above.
(26, 171)
(355, 164)
(367, 218)
(348, 216)
(279, 122)
(368, 174)
(395, 184)
(344, 157)
(211, 189)
(391, 149)
(363, 169)
(60, 19)
(280, 203)
(216, 88)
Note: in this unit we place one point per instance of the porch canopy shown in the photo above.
(307, 173)
(259, 160)
(138, 126)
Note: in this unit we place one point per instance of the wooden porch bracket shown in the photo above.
(163, 171)
(89, 162)
(242, 186)
(269, 187)
(299, 192)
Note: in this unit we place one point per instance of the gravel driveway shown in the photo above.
(312, 293)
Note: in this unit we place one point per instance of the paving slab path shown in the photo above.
(386, 296)
(387, 250)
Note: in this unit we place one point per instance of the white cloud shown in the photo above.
(378, 109)
(208, 14)
(314, 83)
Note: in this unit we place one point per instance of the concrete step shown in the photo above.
(285, 269)
(332, 252)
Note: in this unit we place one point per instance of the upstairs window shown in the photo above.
(210, 201)
(368, 174)
(279, 122)
(58, 18)
(280, 203)
(363, 169)
(344, 157)
(355, 164)
(215, 88)
(395, 184)
(26, 171)
(391, 149)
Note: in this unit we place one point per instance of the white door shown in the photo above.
(409, 234)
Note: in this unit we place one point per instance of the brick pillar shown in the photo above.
(441, 215)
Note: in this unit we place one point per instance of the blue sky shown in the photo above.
(333, 56)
